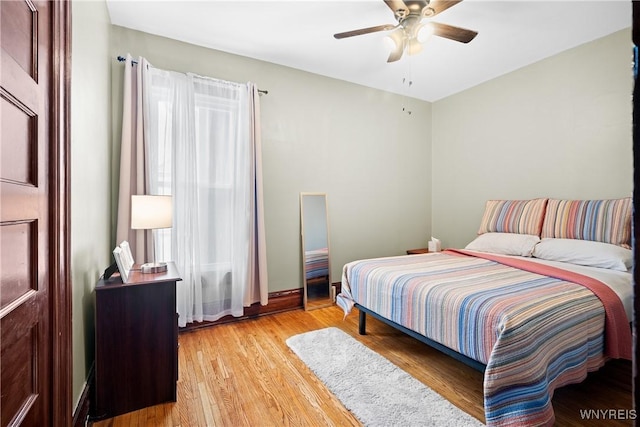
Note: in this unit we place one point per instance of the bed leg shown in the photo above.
(362, 323)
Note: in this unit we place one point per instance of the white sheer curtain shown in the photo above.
(203, 147)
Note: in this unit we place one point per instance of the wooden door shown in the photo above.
(35, 307)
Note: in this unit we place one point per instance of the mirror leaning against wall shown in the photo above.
(316, 264)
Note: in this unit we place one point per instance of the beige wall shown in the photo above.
(320, 135)
(90, 173)
(558, 128)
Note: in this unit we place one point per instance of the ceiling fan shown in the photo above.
(410, 31)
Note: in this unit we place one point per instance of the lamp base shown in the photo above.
(153, 267)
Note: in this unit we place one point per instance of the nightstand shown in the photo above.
(417, 251)
(136, 341)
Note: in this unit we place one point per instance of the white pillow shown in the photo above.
(585, 252)
(504, 243)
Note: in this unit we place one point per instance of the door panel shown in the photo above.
(17, 163)
(18, 265)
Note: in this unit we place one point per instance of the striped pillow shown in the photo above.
(607, 221)
(513, 216)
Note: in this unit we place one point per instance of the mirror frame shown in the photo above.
(308, 305)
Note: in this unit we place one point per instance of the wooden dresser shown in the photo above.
(136, 342)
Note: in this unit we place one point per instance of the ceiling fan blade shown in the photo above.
(364, 31)
(458, 34)
(441, 5)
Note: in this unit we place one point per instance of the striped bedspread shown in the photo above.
(534, 332)
(316, 263)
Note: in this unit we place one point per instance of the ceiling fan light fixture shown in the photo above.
(424, 32)
(395, 39)
(397, 43)
(414, 47)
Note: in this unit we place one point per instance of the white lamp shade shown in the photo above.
(149, 212)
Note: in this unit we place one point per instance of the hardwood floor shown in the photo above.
(243, 374)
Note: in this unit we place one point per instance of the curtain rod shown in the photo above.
(122, 59)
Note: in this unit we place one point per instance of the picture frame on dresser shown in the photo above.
(122, 264)
(127, 255)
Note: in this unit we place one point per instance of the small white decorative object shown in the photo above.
(434, 245)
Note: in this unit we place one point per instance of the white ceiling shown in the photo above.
(299, 34)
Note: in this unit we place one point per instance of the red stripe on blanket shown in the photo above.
(618, 333)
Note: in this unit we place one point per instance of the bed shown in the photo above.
(316, 263)
(540, 298)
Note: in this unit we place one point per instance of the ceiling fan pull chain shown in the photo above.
(409, 83)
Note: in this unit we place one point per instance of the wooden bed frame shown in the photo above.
(362, 326)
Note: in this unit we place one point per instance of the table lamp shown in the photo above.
(151, 212)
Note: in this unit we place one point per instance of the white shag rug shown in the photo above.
(375, 390)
